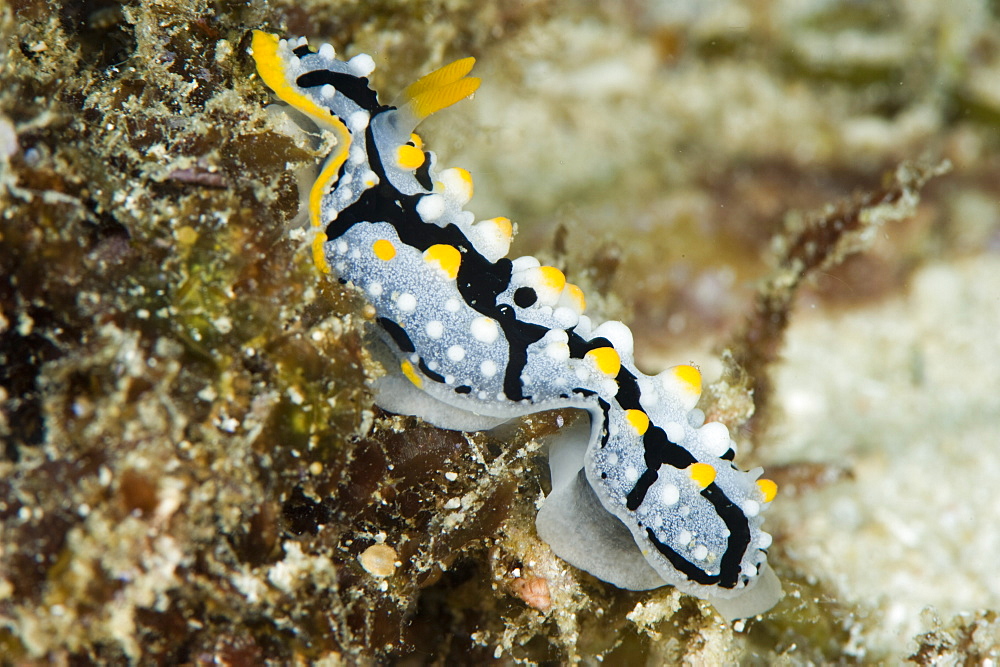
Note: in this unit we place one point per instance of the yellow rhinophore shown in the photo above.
(439, 89)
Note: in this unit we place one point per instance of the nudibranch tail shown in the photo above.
(644, 493)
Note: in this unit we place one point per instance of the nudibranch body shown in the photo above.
(643, 495)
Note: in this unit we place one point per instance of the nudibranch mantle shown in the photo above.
(643, 495)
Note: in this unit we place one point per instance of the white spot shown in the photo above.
(618, 334)
(485, 330)
(523, 263)
(751, 507)
(358, 121)
(700, 552)
(557, 351)
(555, 336)
(375, 289)
(684, 511)
(434, 329)
(609, 387)
(433, 365)
(764, 540)
(482, 395)
(674, 431)
(449, 379)
(406, 302)
(456, 353)
(669, 494)
(355, 254)
(341, 247)
(613, 459)
(327, 91)
(361, 64)
(714, 438)
(327, 51)
(631, 474)
(488, 368)
(452, 305)
(684, 538)
(566, 317)
(430, 207)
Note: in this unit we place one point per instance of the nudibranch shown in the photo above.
(644, 493)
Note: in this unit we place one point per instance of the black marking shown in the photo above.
(628, 390)
(437, 377)
(578, 347)
(659, 449)
(736, 544)
(689, 569)
(605, 409)
(398, 335)
(355, 88)
(525, 297)
(423, 173)
(464, 389)
(638, 492)
(729, 455)
(303, 50)
(739, 534)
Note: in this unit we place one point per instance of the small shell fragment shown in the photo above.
(379, 560)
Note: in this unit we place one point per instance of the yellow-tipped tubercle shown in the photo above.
(702, 473)
(447, 257)
(638, 419)
(606, 359)
(768, 488)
